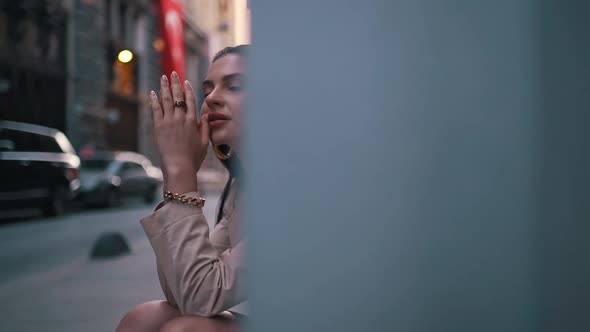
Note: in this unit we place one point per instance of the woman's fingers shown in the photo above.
(176, 137)
(204, 130)
(167, 106)
(191, 104)
(157, 113)
(177, 95)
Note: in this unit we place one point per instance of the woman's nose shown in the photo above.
(214, 99)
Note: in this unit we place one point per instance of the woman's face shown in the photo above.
(225, 98)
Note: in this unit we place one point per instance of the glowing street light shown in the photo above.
(125, 56)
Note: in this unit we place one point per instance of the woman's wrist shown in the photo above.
(180, 181)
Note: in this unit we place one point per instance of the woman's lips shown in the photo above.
(216, 123)
(217, 120)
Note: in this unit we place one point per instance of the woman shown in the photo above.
(200, 273)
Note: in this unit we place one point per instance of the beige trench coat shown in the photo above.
(200, 273)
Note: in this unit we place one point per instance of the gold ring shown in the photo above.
(180, 103)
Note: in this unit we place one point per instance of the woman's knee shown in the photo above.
(222, 323)
(149, 316)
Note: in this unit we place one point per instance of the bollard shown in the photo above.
(109, 245)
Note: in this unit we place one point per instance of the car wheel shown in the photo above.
(57, 203)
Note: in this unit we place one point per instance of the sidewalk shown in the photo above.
(84, 295)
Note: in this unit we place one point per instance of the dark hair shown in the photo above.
(232, 164)
(234, 167)
(241, 50)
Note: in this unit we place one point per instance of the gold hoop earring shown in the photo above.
(220, 154)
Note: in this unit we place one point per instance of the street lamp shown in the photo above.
(123, 79)
(125, 56)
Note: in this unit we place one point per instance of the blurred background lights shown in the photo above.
(125, 56)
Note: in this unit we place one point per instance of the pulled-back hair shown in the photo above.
(241, 50)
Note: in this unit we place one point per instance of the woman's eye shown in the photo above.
(235, 88)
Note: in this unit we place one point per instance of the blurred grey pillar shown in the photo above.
(418, 166)
(563, 165)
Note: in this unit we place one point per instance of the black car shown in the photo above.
(106, 177)
(38, 168)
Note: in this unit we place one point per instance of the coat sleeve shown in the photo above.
(194, 275)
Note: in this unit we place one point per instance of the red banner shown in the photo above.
(172, 33)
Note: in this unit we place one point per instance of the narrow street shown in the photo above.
(48, 282)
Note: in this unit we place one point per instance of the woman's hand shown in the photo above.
(181, 140)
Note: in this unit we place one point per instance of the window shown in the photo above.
(135, 167)
(98, 164)
(48, 144)
(22, 141)
(131, 168)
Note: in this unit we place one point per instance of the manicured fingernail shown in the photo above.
(174, 74)
(205, 116)
(188, 84)
(164, 78)
(152, 93)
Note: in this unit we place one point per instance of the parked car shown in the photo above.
(106, 177)
(38, 168)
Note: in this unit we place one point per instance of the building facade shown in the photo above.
(106, 95)
(33, 57)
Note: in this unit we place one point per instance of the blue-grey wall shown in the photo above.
(418, 166)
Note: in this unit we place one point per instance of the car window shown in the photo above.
(125, 166)
(6, 145)
(48, 144)
(130, 167)
(122, 168)
(20, 141)
(97, 164)
(135, 167)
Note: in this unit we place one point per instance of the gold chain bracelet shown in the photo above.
(184, 199)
